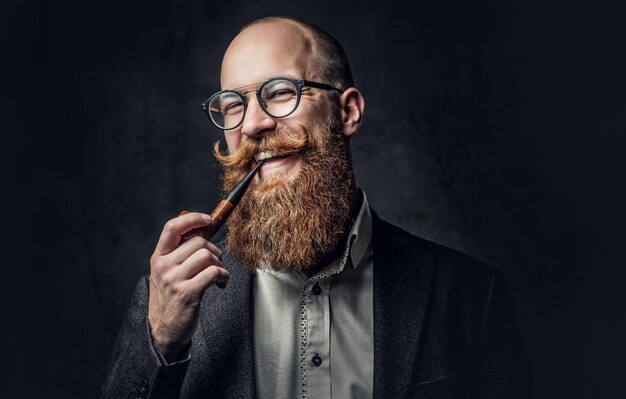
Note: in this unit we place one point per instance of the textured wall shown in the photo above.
(496, 128)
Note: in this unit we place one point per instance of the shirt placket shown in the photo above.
(315, 338)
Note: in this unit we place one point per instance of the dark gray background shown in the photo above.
(494, 127)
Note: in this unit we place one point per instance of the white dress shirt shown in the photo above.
(314, 337)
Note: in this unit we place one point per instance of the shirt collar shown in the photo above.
(358, 242)
(360, 237)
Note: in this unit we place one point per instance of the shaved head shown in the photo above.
(316, 50)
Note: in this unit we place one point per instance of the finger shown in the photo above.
(198, 261)
(209, 276)
(186, 249)
(174, 228)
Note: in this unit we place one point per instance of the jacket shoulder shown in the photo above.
(447, 261)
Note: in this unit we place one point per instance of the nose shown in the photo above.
(256, 122)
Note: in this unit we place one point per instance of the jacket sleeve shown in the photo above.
(505, 369)
(137, 369)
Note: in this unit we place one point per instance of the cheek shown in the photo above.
(233, 140)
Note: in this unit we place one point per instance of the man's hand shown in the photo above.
(178, 277)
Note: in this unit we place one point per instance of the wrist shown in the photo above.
(170, 349)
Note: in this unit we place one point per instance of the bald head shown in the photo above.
(283, 47)
(285, 42)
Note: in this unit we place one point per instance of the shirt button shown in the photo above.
(317, 360)
(317, 289)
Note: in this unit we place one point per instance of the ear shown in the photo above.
(352, 105)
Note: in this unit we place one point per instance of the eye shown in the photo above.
(278, 90)
(232, 108)
(281, 93)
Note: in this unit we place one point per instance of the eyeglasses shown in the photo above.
(278, 97)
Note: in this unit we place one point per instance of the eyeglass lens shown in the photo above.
(279, 98)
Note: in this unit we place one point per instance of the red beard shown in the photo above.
(291, 224)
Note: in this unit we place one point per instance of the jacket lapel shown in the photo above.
(403, 283)
(227, 328)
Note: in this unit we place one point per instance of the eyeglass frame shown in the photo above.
(298, 83)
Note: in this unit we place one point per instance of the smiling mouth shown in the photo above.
(270, 156)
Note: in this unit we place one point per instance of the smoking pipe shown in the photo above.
(223, 210)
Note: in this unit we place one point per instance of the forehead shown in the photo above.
(266, 50)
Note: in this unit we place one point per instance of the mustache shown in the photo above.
(282, 142)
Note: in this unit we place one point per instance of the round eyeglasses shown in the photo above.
(278, 97)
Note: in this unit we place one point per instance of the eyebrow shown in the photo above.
(287, 75)
(248, 85)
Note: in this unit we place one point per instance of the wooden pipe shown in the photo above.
(223, 210)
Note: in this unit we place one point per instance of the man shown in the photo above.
(320, 298)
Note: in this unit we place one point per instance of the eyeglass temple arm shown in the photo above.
(321, 86)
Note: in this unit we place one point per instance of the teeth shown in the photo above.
(265, 155)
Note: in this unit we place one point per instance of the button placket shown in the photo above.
(318, 329)
(304, 334)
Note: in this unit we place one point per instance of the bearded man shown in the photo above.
(319, 297)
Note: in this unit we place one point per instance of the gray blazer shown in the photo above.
(444, 327)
